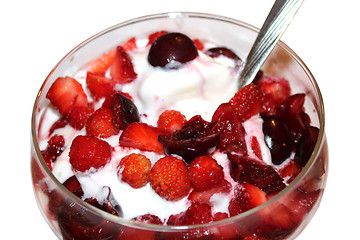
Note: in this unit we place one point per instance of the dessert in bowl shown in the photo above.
(140, 132)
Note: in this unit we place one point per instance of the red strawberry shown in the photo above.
(122, 69)
(149, 218)
(199, 44)
(247, 101)
(54, 148)
(152, 37)
(101, 64)
(198, 213)
(257, 173)
(176, 220)
(142, 136)
(205, 196)
(274, 86)
(98, 85)
(87, 152)
(255, 147)
(290, 171)
(134, 169)
(169, 178)
(78, 116)
(232, 133)
(62, 122)
(171, 120)
(205, 173)
(65, 94)
(73, 185)
(252, 196)
(100, 124)
(130, 44)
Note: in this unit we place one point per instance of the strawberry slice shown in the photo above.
(142, 136)
(255, 147)
(274, 86)
(89, 152)
(100, 124)
(247, 101)
(122, 69)
(205, 173)
(65, 94)
(205, 196)
(198, 213)
(265, 177)
(101, 64)
(99, 85)
(130, 44)
(79, 115)
(290, 171)
(232, 133)
(153, 36)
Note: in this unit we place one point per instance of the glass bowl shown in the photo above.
(58, 204)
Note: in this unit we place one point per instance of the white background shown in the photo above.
(35, 35)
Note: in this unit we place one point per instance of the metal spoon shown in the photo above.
(280, 16)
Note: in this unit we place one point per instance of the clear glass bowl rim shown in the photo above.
(166, 228)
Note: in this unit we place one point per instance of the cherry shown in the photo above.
(194, 139)
(124, 110)
(171, 50)
(222, 51)
(278, 138)
(306, 145)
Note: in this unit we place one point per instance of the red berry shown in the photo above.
(101, 64)
(198, 213)
(247, 101)
(169, 178)
(134, 169)
(274, 86)
(232, 132)
(100, 124)
(65, 94)
(130, 44)
(149, 218)
(78, 116)
(142, 136)
(122, 69)
(62, 122)
(89, 152)
(54, 148)
(73, 185)
(171, 120)
(152, 37)
(205, 173)
(98, 85)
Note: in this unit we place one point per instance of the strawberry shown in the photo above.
(198, 213)
(205, 195)
(60, 123)
(232, 133)
(78, 116)
(152, 37)
(148, 218)
(142, 136)
(171, 120)
(205, 173)
(252, 196)
(290, 171)
(100, 124)
(122, 69)
(101, 64)
(255, 147)
(255, 172)
(199, 44)
(74, 186)
(134, 169)
(169, 178)
(98, 85)
(247, 101)
(130, 44)
(54, 148)
(65, 94)
(89, 152)
(274, 86)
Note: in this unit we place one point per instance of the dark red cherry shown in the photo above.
(306, 145)
(125, 111)
(171, 50)
(221, 51)
(194, 139)
(278, 138)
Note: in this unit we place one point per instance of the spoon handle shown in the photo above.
(274, 26)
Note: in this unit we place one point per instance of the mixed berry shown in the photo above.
(187, 166)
